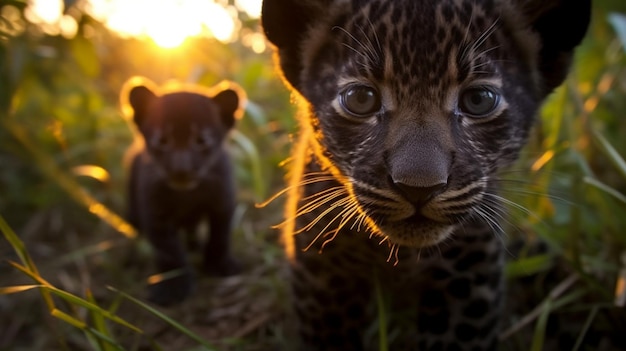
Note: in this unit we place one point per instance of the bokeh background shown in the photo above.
(73, 274)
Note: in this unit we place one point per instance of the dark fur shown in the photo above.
(414, 180)
(183, 175)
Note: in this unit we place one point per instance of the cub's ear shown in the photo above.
(228, 102)
(285, 23)
(561, 25)
(139, 98)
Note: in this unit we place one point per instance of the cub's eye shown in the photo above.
(201, 141)
(161, 141)
(360, 100)
(479, 101)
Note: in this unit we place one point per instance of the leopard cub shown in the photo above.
(180, 176)
(409, 109)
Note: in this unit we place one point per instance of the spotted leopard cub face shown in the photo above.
(416, 104)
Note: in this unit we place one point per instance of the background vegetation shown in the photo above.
(72, 275)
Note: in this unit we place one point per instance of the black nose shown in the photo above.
(419, 195)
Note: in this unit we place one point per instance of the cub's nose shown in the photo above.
(418, 195)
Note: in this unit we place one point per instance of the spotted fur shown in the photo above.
(409, 110)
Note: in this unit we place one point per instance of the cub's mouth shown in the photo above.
(182, 183)
(393, 217)
(415, 231)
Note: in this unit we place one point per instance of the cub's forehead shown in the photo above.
(426, 12)
(409, 42)
(183, 105)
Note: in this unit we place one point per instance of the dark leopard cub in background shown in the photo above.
(181, 176)
(410, 108)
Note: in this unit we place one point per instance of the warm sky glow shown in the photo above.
(167, 22)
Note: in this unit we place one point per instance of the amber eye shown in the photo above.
(479, 101)
(360, 100)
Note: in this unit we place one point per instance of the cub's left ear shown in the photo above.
(561, 25)
(228, 102)
(140, 98)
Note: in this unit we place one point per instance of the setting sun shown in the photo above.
(166, 22)
(170, 22)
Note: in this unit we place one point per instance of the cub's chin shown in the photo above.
(182, 185)
(416, 231)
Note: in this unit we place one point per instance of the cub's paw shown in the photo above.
(171, 291)
(222, 268)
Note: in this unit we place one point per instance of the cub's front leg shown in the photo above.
(170, 258)
(218, 259)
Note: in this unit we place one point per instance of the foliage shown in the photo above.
(62, 143)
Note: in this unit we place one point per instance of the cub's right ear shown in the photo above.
(139, 98)
(561, 25)
(228, 102)
(285, 23)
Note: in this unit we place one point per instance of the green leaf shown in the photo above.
(528, 266)
(619, 24)
(85, 55)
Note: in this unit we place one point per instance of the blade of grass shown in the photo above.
(550, 304)
(585, 328)
(22, 253)
(92, 334)
(383, 344)
(99, 323)
(77, 301)
(68, 319)
(605, 188)
(609, 151)
(16, 289)
(109, 343)
(166, 319)
(539, 335)
(17, 244)
(534, 314)
(73, 299)
(33, 275)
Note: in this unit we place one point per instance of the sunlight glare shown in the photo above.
(251, 7)
(169, 23)
(44, 11)
(49, 15)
